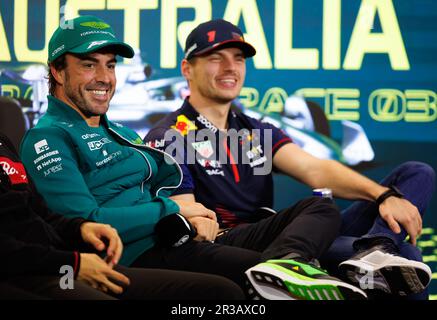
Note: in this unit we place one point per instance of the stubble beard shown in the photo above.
(77, 97)
(216, 96)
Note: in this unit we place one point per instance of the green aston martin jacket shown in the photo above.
(105, 174)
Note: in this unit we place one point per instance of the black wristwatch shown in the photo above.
(392, 192)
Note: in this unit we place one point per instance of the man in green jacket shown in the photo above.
(48, 256)
(86, 166)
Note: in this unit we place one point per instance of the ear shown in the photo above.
(57, 74)
(186, 69)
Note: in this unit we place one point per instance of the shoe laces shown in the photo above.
(383, 244)
(311, 262)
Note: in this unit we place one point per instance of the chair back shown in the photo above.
(13, 122)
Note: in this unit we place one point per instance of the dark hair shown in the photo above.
(193, 60)
(59, 64)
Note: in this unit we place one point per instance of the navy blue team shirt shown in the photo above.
(221, 174)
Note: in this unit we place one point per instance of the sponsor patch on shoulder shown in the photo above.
(157, 143)
(41, 146)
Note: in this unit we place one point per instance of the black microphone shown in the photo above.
(174, 230)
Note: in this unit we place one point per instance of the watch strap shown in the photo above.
(392, 192)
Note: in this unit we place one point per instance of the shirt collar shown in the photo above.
(188, 110)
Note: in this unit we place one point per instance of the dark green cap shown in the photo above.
(85, 34)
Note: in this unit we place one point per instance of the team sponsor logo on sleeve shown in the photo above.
(14, 170)
(183, 125)
(41, 146)
(255, 156)
(48, 162)
(256, 151)
(53, 169)
(253, 149)
(45, 156)
(204, 148)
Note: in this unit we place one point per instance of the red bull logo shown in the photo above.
(183, 125)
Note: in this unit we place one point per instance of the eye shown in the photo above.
(240, 58)
(88, 65)
(214, 57)
(111, 66)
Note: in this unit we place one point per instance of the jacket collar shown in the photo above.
(59, 108)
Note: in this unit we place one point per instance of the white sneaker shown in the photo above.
(381, 268)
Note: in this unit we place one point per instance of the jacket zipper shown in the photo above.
(148, 164)
(157, 150)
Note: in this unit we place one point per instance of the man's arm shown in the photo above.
(318, 173)
(203, 219)
(190, 208)
(68, 228)
(24, 259)
(21, 258)
(189, 197)
(348, 184)
(66, 191)
(83, 235)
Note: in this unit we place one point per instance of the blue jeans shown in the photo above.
(362, 221)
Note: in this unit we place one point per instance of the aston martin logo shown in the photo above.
(95, 24)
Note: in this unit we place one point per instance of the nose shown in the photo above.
(103, 74)
(229, 63)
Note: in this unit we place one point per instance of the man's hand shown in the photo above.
(194, 209)
(397, 210)
(94, 233)
(206, 228)
(98, 274)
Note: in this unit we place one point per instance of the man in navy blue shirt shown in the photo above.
(230, 187)
(227, 159)
(227, 182)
